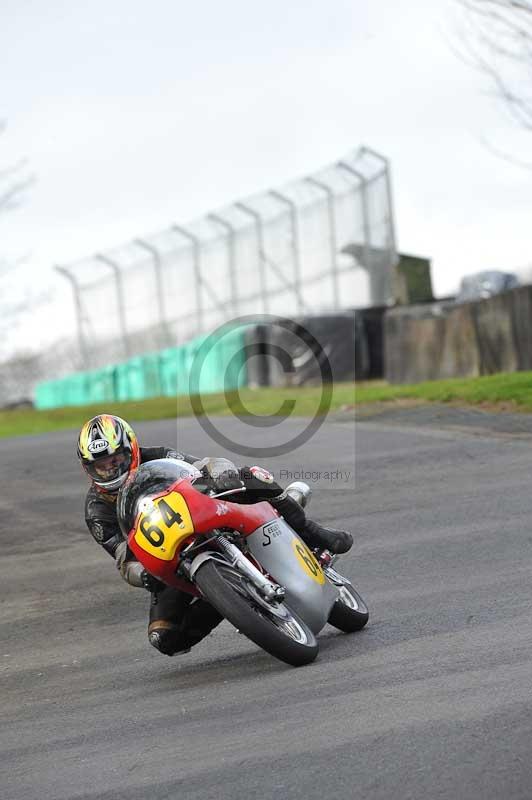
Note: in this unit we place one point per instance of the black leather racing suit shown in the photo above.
(177, 620)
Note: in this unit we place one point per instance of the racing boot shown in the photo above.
(331, 539)
(313, 534)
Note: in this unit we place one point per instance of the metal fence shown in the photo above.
(322, 243)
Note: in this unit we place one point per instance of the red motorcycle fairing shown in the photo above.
(170, 520)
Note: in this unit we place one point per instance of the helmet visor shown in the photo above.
(110, 468)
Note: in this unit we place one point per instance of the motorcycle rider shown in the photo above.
(109, 451)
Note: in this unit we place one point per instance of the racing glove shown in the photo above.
(221, 474)
(133, 572)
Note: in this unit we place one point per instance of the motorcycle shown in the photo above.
(244, 559)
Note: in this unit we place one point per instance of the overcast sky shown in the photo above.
(135, 115)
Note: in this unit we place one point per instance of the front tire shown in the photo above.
(349, 613)
(279, 631)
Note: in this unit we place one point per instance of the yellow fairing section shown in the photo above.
(163, 525)
(308, 562)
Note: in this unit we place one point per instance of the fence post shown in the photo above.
(296, 250)
(196, 255)
(232, 259)
(120, 299)
(152, 250)
(389, 199)
(259, 227)
(332, 234)
(79, 315)
(365, 211)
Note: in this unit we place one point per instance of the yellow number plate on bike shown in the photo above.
(308, 562)
(163, 524)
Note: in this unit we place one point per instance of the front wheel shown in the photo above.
(349, 613)
(274, 627)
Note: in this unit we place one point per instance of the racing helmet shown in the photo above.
(109, 451)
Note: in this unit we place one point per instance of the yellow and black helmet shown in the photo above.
(108, 450)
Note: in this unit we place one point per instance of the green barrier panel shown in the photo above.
(77, 389)
(151, 375)
(206, 364)
(122, 382)
(219, 362)
(172, 371)
(234, 359)
(186, 383)
(46, 394)
(139, 378)
(135, 379)
(100, 386)
(69, 391)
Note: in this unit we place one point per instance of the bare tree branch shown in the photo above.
(13, 196)
(495, 38)
(505, 156)
(13, 182)
(500, 45)
(9, 266)
(14, 169)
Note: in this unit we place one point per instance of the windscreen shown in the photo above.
(148, 480)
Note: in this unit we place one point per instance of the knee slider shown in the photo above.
(167, 641)
(159, 640)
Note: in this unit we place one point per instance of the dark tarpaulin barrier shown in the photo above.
(278, 355)
(362, 351)
(369, 342)
(315, 349)
(260, 365)
(308, 350)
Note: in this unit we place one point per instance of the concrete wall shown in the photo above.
(443, 340)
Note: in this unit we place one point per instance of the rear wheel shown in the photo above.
(349, 613)
(273, 626)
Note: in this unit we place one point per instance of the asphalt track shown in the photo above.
(432, 700)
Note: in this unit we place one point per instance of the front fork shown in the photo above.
(301, 493)
(266, 588)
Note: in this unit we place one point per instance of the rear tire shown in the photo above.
(349, 613)
(283, 635)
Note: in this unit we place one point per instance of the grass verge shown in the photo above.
(505, 391)
(263, 402)
(502, 392)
